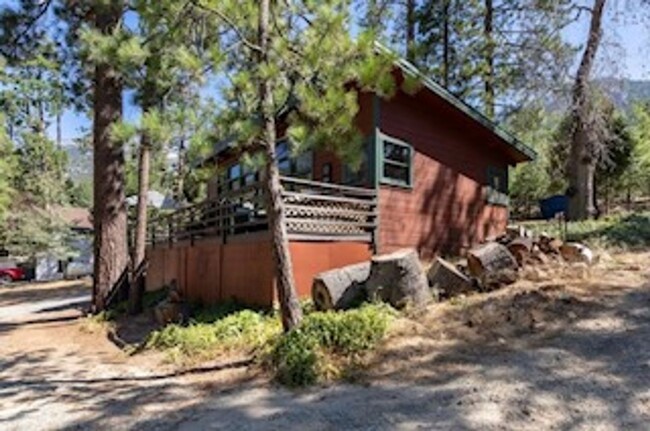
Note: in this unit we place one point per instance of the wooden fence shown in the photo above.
(315, 211)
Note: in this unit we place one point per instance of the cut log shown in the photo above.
(494, 280)
(447, 281)
(550, 245)
(398, 279)
(538, 256)
(489, 258)
(574, 252)
(341, 288)
(521, 249)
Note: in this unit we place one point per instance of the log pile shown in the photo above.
(398, 278)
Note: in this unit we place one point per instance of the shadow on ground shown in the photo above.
(579, 364)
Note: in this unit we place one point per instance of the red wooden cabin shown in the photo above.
(434, 177)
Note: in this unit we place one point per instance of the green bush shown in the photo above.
(299, 357)
(296, 360)
(207, 333)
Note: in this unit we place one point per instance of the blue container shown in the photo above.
(553, 205)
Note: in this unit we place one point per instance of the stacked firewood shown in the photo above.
(503, 261)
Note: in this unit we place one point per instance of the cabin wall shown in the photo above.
(242, 270)
(445, 210)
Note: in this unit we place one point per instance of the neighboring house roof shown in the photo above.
(75, 217)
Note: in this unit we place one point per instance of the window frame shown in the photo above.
(499, 196)
(383, 179)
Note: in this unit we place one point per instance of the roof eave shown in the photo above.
(527, 153)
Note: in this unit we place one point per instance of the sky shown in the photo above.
(623, 54)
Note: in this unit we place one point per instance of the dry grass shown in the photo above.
(526, 312)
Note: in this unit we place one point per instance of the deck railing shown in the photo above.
(314, 211)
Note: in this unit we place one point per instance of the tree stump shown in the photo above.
(490, 257)
(447, 280)
(341, 288)
(398, 279)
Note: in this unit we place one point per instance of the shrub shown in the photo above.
(300, 357)
(245, 329)
(296, 359)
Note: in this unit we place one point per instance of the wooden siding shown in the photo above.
(445, 211)
(209, 272)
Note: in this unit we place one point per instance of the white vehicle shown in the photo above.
(78, 268)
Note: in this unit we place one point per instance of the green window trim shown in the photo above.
(383, 162)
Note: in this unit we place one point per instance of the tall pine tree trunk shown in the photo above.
(445, 43)
(109, 213)
(140, 237)
(582, 160)
(488, 74)
(289, 305)
(410, 30)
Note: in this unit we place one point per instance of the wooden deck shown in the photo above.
(315, 211)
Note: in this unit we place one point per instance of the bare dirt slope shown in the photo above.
(561, 353)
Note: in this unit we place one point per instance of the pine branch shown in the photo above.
(230, 24)
(30, 24)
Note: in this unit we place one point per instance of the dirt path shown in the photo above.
(580, 361)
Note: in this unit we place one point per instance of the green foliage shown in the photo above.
(7, 171)
(300, 357)
(310, 352)
(522, 58)
(532, 181)
(628, 231)
(216, 331)
(312, 60)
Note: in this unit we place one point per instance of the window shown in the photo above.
(326, 173)
(397, 161)
(233, 177)
(497, 187)
(360, 176)
(300, 166)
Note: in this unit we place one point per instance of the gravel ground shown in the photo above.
(592, 372)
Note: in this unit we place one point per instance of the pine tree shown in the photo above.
(109, 212)
(587, 127)
(293, 61)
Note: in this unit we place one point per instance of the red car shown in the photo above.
(8, 275)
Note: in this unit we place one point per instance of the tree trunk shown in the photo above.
(59, 134)
(109, 213)
(340, 288)
(582, 161)
(488, 77)
(140, 237)
(289, 305)
(410, 30)
(180, 172)
(445, 43)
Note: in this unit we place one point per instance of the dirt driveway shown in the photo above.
(584, 364)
